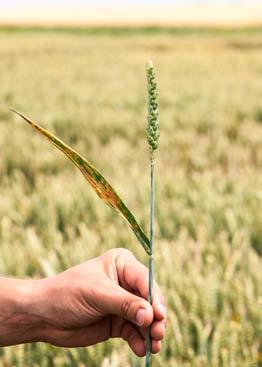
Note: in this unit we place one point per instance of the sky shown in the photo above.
(34, 3)
(130, 11)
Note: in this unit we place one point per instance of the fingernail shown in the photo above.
(140, 316)
(162, 310)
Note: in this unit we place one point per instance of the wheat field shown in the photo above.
(88, 86)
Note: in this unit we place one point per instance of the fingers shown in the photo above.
(117, 301)
(127, 300)
(133, 276)
(98, 332)
(158, 330)
(136, 341)
(157, 333)
(131, 273)
(159, 308)
(156, 346)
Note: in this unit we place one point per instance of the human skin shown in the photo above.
(99, 299)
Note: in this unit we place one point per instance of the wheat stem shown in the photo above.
(151, 258)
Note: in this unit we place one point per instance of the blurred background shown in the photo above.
(78, 68)
(112, 12)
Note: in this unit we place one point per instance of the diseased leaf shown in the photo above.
(103, 189)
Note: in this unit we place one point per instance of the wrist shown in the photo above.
(18, 321)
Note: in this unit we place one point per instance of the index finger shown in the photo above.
(133, 276)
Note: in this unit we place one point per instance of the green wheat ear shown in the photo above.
(153, 112)
(153, 141)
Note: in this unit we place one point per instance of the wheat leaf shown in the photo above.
(103, 189)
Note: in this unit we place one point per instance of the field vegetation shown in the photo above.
(89, 88)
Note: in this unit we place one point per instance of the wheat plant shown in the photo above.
(153, 141)
(106, 192)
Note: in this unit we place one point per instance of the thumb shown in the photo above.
(128, 306)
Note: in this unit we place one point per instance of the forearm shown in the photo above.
(18, 323)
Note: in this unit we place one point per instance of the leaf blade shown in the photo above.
(100, 185)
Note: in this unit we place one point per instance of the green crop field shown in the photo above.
(89, 88)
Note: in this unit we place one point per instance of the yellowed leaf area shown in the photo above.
(101, 186)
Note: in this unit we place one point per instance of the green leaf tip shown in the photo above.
(100, 185)
(153, 132)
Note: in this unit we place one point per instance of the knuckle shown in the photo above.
(110, 257)
(122, 255)
(125, 252)
(126, 306)
(119, 251)
(112, 252)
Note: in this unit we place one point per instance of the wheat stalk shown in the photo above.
(153, 141)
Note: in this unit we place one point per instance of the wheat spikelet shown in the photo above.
(153, 112)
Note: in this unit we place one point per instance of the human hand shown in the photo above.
(102, 298)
